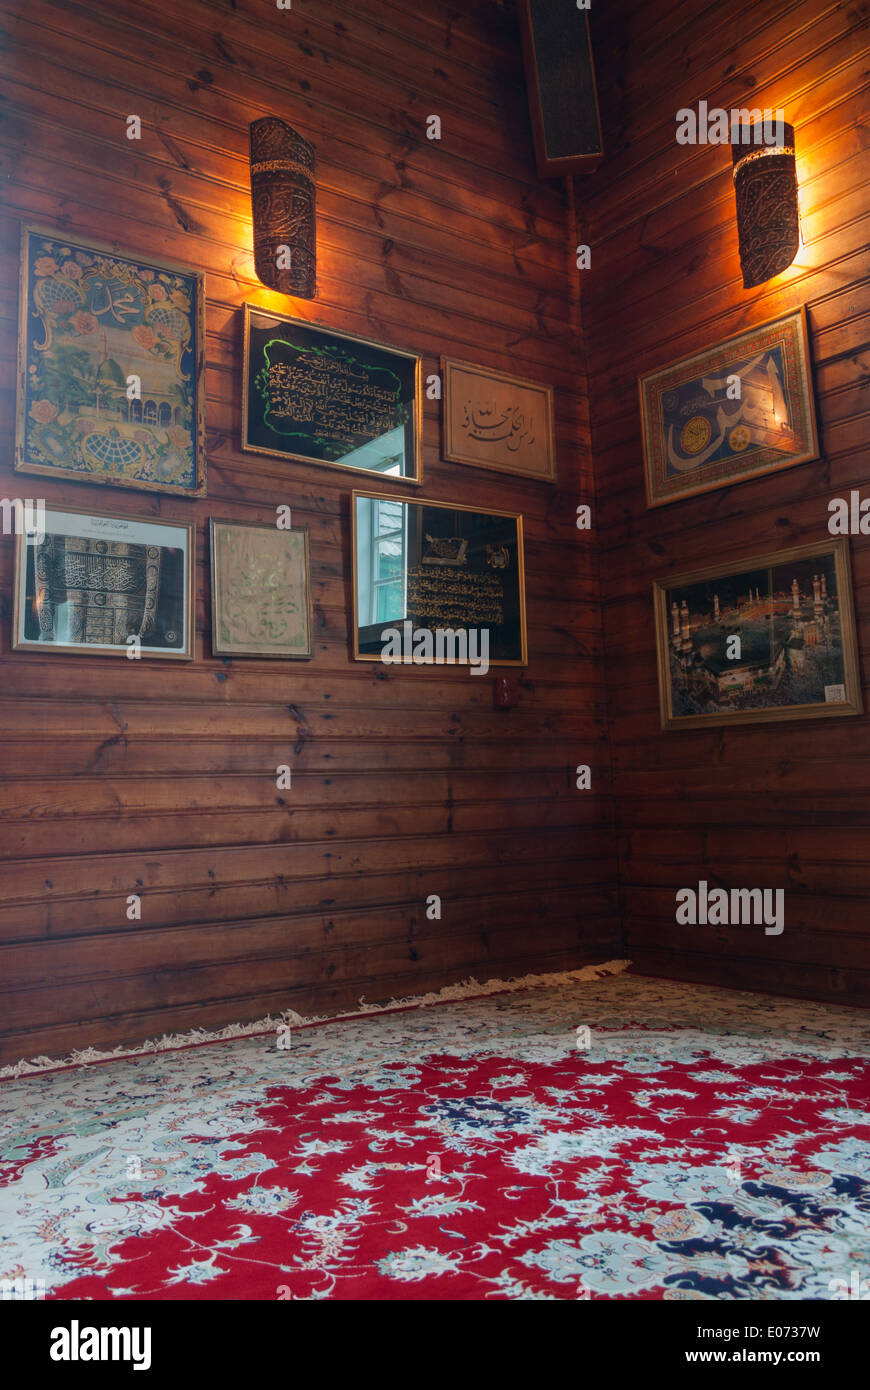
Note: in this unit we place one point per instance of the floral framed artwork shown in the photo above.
(101, 584)
(111, 352)
(768, 638)
(731, 412)
(260, 591)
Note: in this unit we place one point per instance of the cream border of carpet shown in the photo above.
(195, 1037)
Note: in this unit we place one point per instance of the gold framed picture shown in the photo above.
(435, 583)
(318, 396)
(767, 639)
(496, 421)
(260, 591)
(101, 584)
(111, 366)
(729, 413)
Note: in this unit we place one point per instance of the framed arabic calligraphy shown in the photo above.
(427, 575)
(318, 396)
(732, 412)
(102, 584)
(496, 421)
(260, 590)
(110, 367)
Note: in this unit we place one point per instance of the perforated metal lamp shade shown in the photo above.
(765, 186)
(283, 207)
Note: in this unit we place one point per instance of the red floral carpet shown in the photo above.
(704, 1145)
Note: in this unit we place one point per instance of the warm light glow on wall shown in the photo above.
(283, 205)
(765, 186)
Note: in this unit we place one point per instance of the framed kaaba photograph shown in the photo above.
(260, 591)
(768, 639)
(318, 396)
(111, 363)
(106, 585)
(436, 582)
(496, 421)
(732, 412)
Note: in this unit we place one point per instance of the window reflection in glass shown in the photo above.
(382, 570)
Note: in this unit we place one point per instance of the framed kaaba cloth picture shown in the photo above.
(106, 585)
(317, 396)
(769, 638)
(434, 583)
(496, 421)
(111, 352)
(260, 590)
(729, 413)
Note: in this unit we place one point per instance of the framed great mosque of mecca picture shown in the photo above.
(772, 638)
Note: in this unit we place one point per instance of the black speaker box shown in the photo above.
(563, 101)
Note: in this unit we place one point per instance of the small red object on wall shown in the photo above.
(507, 692)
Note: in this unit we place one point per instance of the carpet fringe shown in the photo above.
(195, 1037)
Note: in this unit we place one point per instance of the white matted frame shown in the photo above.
(111, 578)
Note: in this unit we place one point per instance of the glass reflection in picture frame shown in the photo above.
(437, 582)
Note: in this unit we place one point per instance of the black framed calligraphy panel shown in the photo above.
(324, 397)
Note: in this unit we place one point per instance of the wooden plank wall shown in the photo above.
(122, 777)
(783, 806)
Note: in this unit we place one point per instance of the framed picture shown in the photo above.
(317, 396)
(770, 638)
(111, 353)
(436, 582)
(496, 421)
(729, 413)
(260, 590)
(105, 584)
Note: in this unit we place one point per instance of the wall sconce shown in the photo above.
(765, 185)
(283, 206)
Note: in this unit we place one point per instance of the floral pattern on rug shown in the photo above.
(704, 1145)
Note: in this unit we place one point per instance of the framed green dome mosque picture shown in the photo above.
(111, 353)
